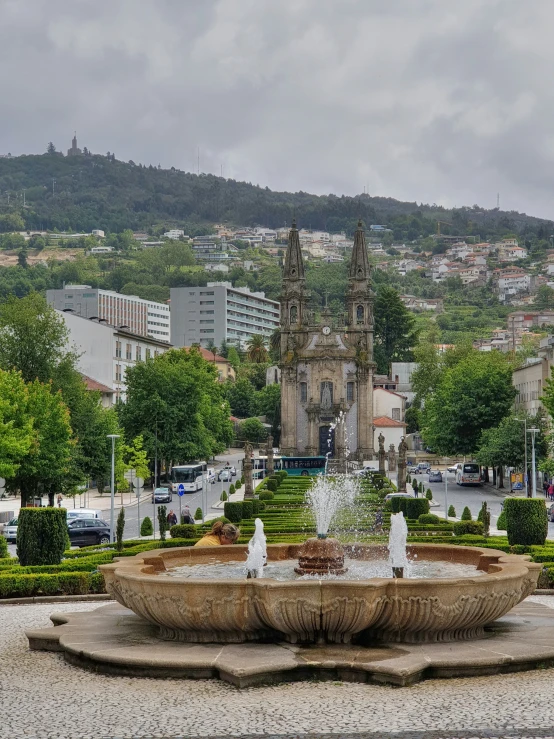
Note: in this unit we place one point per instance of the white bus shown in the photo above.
(468, 473)
(190, 475)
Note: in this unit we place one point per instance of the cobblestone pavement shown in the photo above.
(43, 697)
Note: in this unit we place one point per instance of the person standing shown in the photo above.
(59, 500)
(415, 486)
(171, 518)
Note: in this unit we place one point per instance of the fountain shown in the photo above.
(317, 593)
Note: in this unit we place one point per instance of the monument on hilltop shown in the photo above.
(326, 364)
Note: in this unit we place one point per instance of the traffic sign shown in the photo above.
(181, 489)
(139, 482)
(130, 475)
(2, 483)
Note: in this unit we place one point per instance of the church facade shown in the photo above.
(327, 370)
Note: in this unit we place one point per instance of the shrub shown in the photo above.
(183, 531)
(428, 518)
(485, 517)
(266, 495)
(398, 504)
(463, 527)
(415, 507)
(247, 509)
(162, 521)
(272, 485)
(146, 528)
(429, 494)
(415, 487)
(452, 511)
(466, 514)
(501, 523)
(526, 521)
(41, 536)
(119, 529)
(238, 484)
(257, 507)
(231, 489)
(223, 496)
(233, 511)
(198, 514)
(3, 547)
(408, 478)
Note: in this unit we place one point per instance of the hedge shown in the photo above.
(428, 518)
(416, 506)
(501, 523)
(233, 511)
(146, 528)
(64, 583)
(183, 531)
(526, 521)
(42, 535)
(468, 527)
(272, 484)
(466, 514)
(3, 548)
(247, 509)
(266, 495)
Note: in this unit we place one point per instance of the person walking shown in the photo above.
(59, 500)
(551, 491)
(187, 515)
(171, 518)
(415, 487)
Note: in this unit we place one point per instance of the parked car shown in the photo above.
(84, 532)
(423, 467)
(390, 496)
(453, 468)
(412, 469)
(232, 469)
(225, 475)
(435, 476)
(162, 495)
(10, 530)
(83, 513)
(550, 514)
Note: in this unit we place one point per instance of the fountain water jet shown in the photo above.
(397, 544)
(257, 551)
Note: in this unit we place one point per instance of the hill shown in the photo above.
(80, 193)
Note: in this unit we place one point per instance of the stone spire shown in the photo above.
(359, 266)
(294, 264)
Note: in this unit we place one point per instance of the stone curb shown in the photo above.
(54, 599)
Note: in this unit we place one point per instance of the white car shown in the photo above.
(74, 513)
(211, 475)
(390, 496)
(10, 530)
(225, 475)
(232, 469)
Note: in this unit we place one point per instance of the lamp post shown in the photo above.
(533, 470)
(446, 490)
(524, 420)
(113, 437)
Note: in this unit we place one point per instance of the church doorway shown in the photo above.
(326, 441)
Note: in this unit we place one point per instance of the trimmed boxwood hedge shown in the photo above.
(526, 520)
(233, 511)
(247, 508)
(183, 531)
(428, 518)
(266, 495)
(468, 527)
(42, 535)
(272, 484)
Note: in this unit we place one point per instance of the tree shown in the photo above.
(176, 402)
(256, 349)
(470, 397)
(43, 468)
(233, 357)
(13, 222)
(544, 299)
(16, 426)
(252, 429)
(395, 332)
(50, 149)
(503, 445)
(22, 258)
(241, 397)
(136, 458)
(268, 404)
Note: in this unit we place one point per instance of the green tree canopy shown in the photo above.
(16, 425)
(470, 397)
(395, 332)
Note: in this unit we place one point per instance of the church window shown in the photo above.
(360, 314)
(326, 398)
(350, 391)
(303, 392)
(293, 314)
(396, 414)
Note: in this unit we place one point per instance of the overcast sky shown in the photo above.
(429, 100)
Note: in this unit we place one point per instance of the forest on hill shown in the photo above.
(80, 193)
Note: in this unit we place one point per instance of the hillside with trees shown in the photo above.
(80, 193)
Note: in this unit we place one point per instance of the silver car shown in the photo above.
(10, 530)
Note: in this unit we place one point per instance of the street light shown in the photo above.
(113, 437)
(524, 420)
(533, 471)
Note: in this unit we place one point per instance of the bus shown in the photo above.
(468, 473)
(305, 466)
(190, 475)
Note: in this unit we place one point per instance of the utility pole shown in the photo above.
(525, 475)
(533, 469)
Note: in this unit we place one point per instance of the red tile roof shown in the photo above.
(388, 422)
(208, 355)
(95, 385)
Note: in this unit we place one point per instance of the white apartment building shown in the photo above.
(174, 233)
(511, 253)
(143, 317)
(220, 312)
(529, 382)
(512, 284)
(106, 352)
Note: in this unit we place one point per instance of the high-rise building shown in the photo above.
(142, 317)
(326, 368)
(218, 312)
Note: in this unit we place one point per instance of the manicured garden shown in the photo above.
(50, 568)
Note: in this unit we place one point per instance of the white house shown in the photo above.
(388, 403)
(393, 431)
(106, 352)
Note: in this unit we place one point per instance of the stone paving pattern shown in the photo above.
(43, 697)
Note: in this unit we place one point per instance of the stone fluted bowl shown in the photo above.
(319, 610)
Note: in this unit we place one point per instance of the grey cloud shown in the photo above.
(430, 100)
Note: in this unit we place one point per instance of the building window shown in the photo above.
(118, 373)
(118, 349)
(148, 353)
(396, 414)
(350, 391)
(303, 392)
(128, 352)
(326, 395)
(360, 314)
(138, 354)
(293, 314)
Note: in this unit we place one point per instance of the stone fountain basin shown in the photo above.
(320, 610)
